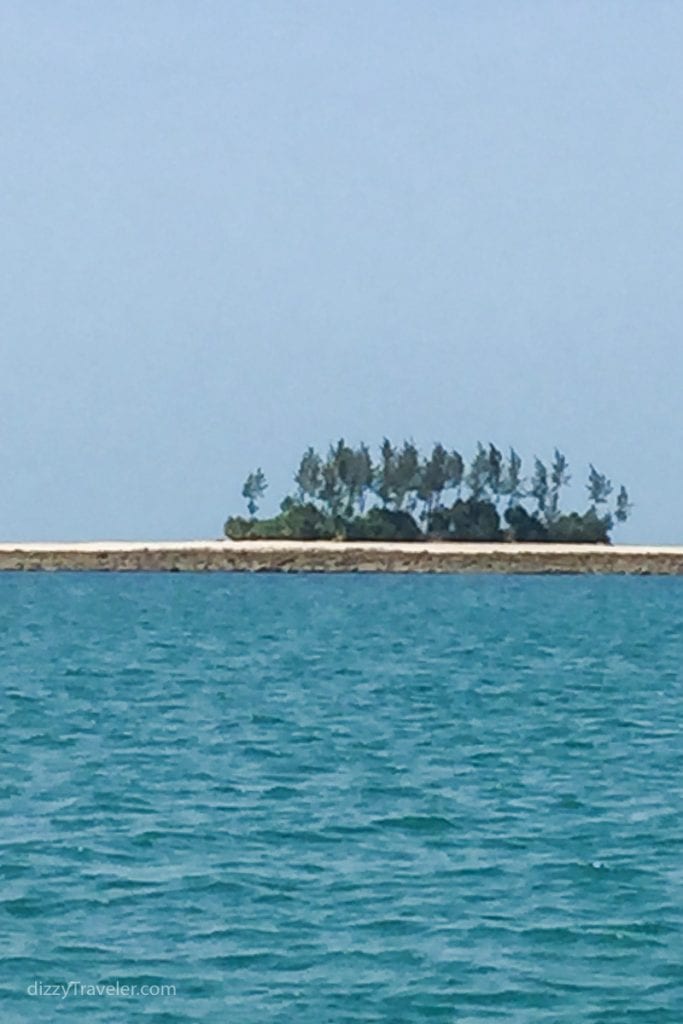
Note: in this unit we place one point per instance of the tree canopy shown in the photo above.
(405, 495)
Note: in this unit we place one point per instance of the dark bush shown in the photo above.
(305, 521)
(238, 528)
(383, 524)
(524, 527)
(589, 528)
(470, 520)
(295, 522)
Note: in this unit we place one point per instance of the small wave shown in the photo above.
(427, 823)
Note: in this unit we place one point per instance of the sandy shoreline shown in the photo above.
(335, 556)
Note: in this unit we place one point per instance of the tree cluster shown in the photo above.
(404, 495)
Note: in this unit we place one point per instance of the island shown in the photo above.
(403, 495)
(400, 511)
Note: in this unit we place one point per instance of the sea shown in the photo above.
(341, 798)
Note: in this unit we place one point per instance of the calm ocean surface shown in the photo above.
(338, 799)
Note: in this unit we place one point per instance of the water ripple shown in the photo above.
(343, 799)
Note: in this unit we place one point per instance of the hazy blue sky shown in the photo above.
(233, 229)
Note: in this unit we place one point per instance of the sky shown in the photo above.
(231, 230)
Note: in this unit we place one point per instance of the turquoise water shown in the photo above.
(339, 799)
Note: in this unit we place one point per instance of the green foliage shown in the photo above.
(406, 477)
(362, 476)
(383, 524)
(384, 474)
(398, 474)
(296, 521)
(559, 472)
(523, 526)
(253, 490)
(304, 521)
(433, 477)
(331, 497)
(539, 486)
(332, 489)
(512, 485)
(470, 519)
(342, 458)
(589, 528)
(559, 478)
(599, 487)
(495, 474)
(455, 469)
(237, 527)
(478, 476)
(624, 506)
(309, 475)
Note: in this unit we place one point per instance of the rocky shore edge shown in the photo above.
(339, 556)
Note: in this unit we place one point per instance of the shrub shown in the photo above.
(524, 527)
(383, 524)
(295, 522)
(589, 528)
(305, 521)
(238, 528)
(471, 520)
